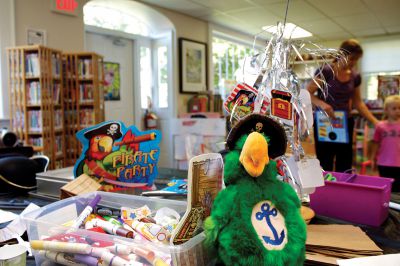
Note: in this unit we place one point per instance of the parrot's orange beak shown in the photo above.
(254, 155)
(105, 144)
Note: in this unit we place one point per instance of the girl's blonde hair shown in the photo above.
(391, 99)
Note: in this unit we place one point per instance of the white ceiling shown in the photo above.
(326, 19)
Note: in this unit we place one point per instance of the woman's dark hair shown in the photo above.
(351, 47)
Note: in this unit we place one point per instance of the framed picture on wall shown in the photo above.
(112, 81)
(36, 37)
(388, 85)
(192, 65)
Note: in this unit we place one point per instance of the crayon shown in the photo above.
(86, 260)
(140, 251)
(147, 220)
(96, 252)
(152, 232)
(97, 229)
(113, 260)
(159, 262)
(119, 249)
(60, 258)
(86, 212)
(77, 248)
(144, 253)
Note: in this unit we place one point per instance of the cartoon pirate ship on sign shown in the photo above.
(119, 157)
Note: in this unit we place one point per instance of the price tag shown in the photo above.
(310, 173)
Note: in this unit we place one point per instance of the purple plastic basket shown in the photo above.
(355, 198)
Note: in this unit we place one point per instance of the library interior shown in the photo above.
(144, 132)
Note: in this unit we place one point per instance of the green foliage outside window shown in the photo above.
(227, 59)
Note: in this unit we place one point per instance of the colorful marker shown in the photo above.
(108, 212)
(112, 229)
(86, 212)
(60, 258)
(113, 260)
(119, 249)
(86, 260)
(76, 248)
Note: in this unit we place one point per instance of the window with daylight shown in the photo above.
(228, 57)
(145, 76)
(162, 60)
(113, 19)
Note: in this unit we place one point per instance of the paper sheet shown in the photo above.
(387, 260)
(328, 243)
(340, 236)
(7, 216)
(17, 226)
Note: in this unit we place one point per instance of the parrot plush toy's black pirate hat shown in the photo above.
(262, 124)
(112, 129)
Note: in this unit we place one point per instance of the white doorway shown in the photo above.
(117, 50)
(144, 48)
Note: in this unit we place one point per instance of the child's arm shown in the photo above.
(375, 145)
(374, 151)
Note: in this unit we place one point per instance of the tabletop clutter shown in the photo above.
(104, 235)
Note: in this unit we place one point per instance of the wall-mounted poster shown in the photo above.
(388, 85)
(112, 81)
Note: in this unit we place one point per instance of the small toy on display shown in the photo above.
(118, 157)
(205, 181)
(256, 219)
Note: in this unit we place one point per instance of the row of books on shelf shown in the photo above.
(86, 94)
(38, 142)
(34, 93)
(58, 144)
(58, 119)
(18, 120)
(59, 164)
(35, 121)
(86, 116)
(14, 60)
(85, 69)
(56, 65)
(32, 65)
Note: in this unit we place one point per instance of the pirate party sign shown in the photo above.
(117, 156)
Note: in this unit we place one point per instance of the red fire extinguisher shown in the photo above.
(150, 118)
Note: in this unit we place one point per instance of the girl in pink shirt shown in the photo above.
(386, 143)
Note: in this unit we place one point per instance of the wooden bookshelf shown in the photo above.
(83, 81)
(36, 100)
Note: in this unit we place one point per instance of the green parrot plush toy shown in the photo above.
(256, 219)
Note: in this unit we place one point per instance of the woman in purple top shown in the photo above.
(343, 95)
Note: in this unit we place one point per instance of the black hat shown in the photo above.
(263, 124)
(112, 129)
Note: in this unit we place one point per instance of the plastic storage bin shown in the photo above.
(48, 221)
(355, 198)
